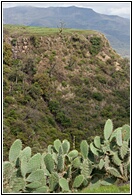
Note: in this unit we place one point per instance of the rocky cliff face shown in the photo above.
(61, 86)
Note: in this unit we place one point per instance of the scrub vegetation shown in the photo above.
(60, 86)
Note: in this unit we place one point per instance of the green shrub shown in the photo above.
(51, 121)
(63, 119)
(9, 100)
(29, 67)
(34, 40)
(7, 54)
(107, 111)
(64, 83)
(96, 45)
(101, 79)
(35, 91)
(54, 106)
(14, 42)
(98, 96)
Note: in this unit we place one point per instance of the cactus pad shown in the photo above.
(114, 172)
(64, 184)
(76, 162)
(119, 137)
(15, 150)
(66, 146)
(49, 162)
(86, 168)
(126, 132)
(57, 144)
(35, 175)
(94, 150)
(116, 159)
(108, 128)
(84, 148)
(78, 181)
(72, 154)
(124, 149)
(53, 181)
(97, 141)
(26, 152)
(34, 163)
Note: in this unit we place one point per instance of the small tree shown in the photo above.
(61, 27)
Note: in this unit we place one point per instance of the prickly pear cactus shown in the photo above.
(97, 142)
(69, 172)
(15, 151)
(36, 175)
(101, 164)
(124, 149)
(7, 169)
(94, 150)
(108, 128)
(64, 185)
(24, 166)
(53, 181)
(34, 163)
(65, 146)
(61, 170)
(116, 160)
(60, 163)
(7, 174)
(86, 169)
(57, 144)
(72, 154)
(76, 163)
(78, 181)
(84, 148)
(114, 172)
(114, 134)
(25, 152)
(119, 138)
(126, 132)
(49, 162)
(42, 189)
(17, 184)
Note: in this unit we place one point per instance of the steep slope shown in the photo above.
(61, 85)
(116, 29)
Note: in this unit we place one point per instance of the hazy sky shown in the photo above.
(121, 8)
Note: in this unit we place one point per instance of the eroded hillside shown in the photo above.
(61, 85)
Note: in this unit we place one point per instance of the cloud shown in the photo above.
(122, 10)
(111, 8)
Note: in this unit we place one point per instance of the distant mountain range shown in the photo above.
(115, 28)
